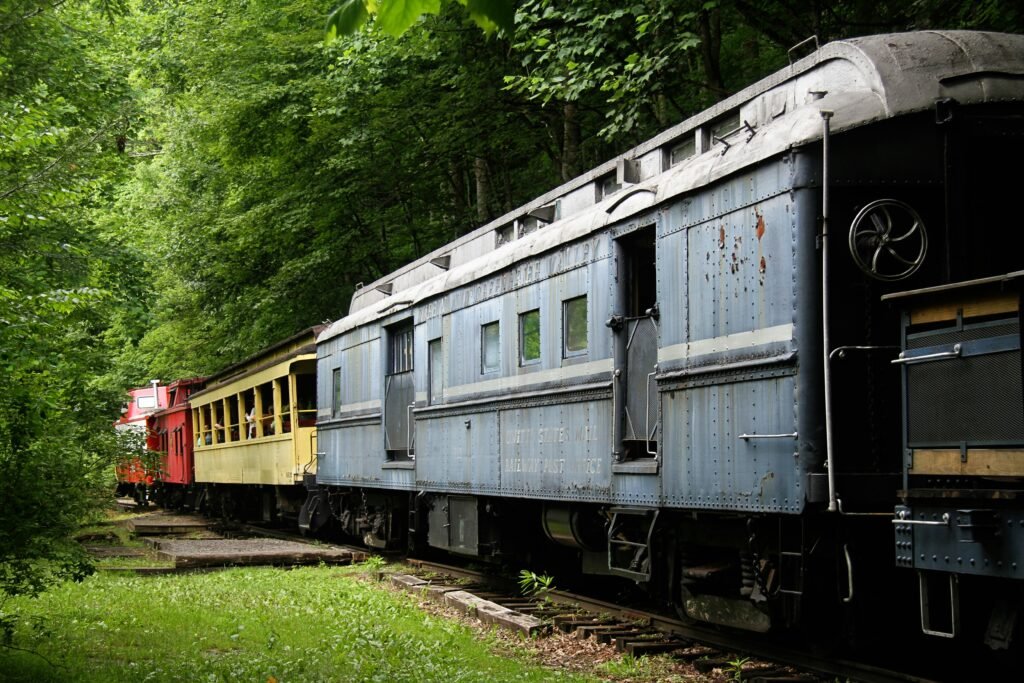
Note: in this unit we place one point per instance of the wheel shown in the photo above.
(888, 240)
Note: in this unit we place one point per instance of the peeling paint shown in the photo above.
(760, 225)
(764, 266)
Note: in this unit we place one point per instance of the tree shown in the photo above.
(652, 63)
(60, 118)
(290, 171)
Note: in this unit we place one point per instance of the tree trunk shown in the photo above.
(457, 184)
(710, 25)
(570, 141)
(483, 189)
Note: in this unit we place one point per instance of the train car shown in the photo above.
(715, 365)
(135, 473)
(255, 429)
(169, 437)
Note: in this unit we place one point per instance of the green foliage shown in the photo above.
(306, 624)
(736, 667)
(289, 171)
(645, 65)
(373, 563)
(531, 583)
(61, 112)
(395, 17)
(652, 63)
(626, 57)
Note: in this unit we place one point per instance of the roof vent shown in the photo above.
(546, 213)
(627, 171)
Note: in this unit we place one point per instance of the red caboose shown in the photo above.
(169, 437)
(134, 477)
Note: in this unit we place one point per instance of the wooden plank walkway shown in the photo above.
(160, 523)
(185, 553)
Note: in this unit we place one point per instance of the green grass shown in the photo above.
(147, 561)
(106, 534)
(252, 624)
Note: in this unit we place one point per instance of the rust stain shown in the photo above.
(721, 237)
(760, 226)
(765, 480)
(764, 266)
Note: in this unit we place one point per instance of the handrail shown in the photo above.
(409, 432)
(647, 416)
(902, 360)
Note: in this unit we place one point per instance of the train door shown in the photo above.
(399, 392)
(636, 347)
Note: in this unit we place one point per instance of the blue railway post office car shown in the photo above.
(735, 364)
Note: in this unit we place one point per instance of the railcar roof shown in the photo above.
(860, 80)
(291, 347)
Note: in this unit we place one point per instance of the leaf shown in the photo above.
(395, 16)
(346, 19)
(492, 13)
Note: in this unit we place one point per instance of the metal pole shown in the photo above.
(829, 460)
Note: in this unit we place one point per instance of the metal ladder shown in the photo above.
(632, 543)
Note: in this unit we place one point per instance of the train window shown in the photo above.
(504, 235)
(336, 391)
(527, 224)
(725, 125)
(305, 399)
(266, 409)
(218, 422)
(400, 348)
(607, 186)
(529, 337)
(574, 327)
(232, 416)
(682, 150)
(435, 368)
(286, 404)
(204, 427)
(249, 405)
(490, 347)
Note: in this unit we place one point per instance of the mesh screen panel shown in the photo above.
(976, 399)
(969, 334)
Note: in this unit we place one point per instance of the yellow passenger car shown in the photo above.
(255, 423)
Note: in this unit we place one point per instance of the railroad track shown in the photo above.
(642, 632)
(634, 631)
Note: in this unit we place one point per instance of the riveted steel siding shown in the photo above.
(458, 453)
(559, 451)
(725, 260)
(555, 447)
(729, 257)
(354, 456)
(351, 443)
(466, 343)
(708, 466)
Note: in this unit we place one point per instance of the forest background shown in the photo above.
(183, 182)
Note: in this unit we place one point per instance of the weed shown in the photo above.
(373, 563)
(736, 667)
(628, 666)
(534, 584)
